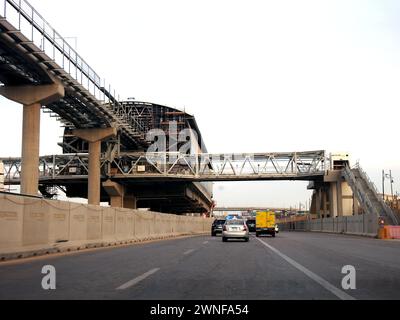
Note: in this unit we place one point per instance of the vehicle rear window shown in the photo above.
(251, 221)
(235, 222)
(219, 222)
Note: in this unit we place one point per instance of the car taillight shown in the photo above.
(244, 228)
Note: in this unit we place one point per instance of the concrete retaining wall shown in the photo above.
(32, 224)
(364, 225)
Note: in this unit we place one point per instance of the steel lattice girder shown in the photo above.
(201, 167)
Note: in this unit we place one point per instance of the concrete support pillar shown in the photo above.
(333, 207)
(324, 203)
(318, 202)
(32, 98)
(30, 149)
(130, 202)
(94, 179)
(313, 209)
(94, 137)
(116, 193)
(339, 198)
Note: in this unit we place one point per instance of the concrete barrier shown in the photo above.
(33, 226)
(94, 222)
(78, 222)
(11, 221)
(364, 225)
(36, 222)
(108, 225)
(58, 213)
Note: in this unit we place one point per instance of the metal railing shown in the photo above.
(22, 15)
(388, 210)
(362, 194)
(220, 166)
(51, 167)
(199, 167)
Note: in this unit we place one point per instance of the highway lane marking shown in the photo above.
(138, 279)
(189, 252)
(328, 286)
(205, 242)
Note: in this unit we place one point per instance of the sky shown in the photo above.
(260, 76)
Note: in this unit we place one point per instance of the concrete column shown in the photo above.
(30, 149)
(32, 98)
(94, 179)
(333, 200)
(130, 202)
(339, 198)
(94, 137)
(318, 202)
(313, 209)
(324, 203)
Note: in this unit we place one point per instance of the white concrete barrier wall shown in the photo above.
(36, 222)
(27, 222)
(94, 222)
(59, 213)
(78, 222)
(365, 225)
(11, 221)
(108, 225)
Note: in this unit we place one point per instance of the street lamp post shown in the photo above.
(383, 184)
(391, 184)
(387, 176)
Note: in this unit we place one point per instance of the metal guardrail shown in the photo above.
(22, 15)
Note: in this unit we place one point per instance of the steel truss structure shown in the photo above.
(174, 166)
(32, 51)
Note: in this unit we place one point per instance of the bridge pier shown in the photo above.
(94, 137)
(334, 197)
(119, 197)
(32, 98)
(318, 202)
(130, 201)
(116, 193)
(339, 193)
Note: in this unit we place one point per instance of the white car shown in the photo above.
(235, 229)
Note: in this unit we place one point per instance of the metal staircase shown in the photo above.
(368, 195)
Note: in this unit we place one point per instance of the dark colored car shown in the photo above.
(252, 225)
(217, 227)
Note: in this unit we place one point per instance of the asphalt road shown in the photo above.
(291, 266)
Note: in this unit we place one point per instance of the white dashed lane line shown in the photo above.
(189, 252)
(138, 279)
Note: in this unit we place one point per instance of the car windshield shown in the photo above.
(235, 222)
(251, 221)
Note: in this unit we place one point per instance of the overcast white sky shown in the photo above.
(260, 76)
